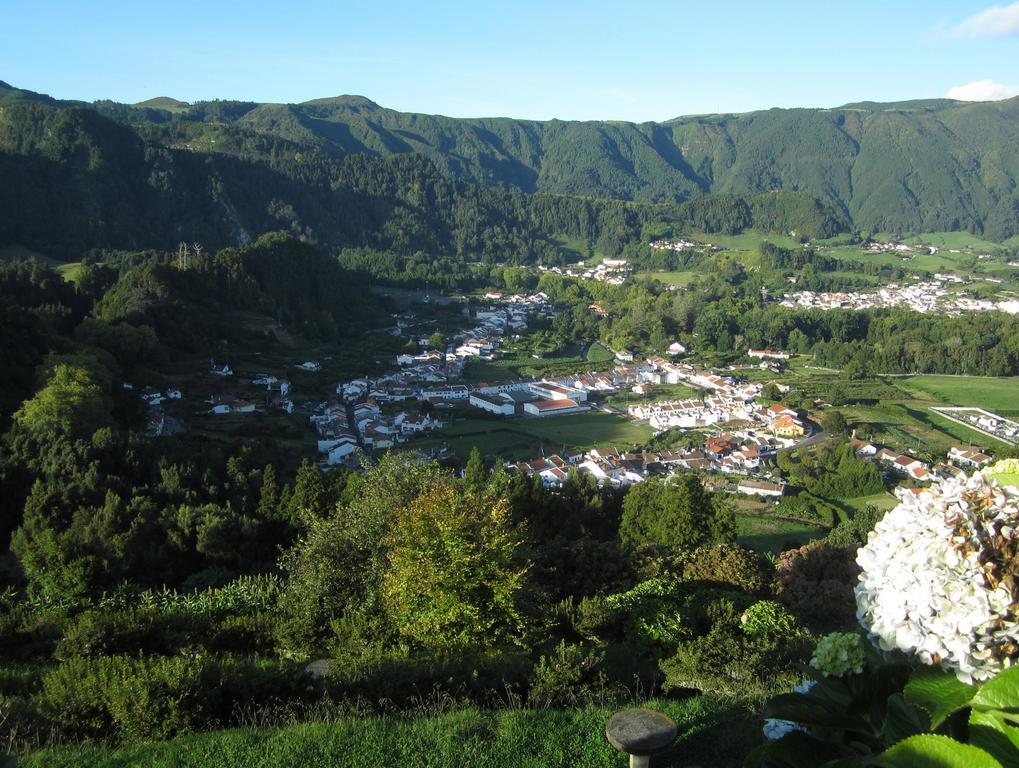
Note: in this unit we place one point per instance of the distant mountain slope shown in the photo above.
(913, 166)
(75, 179)
(163, 102)
(910, 166)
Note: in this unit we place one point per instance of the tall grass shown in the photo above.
(713, 732)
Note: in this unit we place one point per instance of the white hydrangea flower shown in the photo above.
(939, 575)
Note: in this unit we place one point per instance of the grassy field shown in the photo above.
(771, 534)
(599, 353)
(995, 394)
(68, 270)
(711, 732)
(880, 500)
(672, 278)
(898, 408)
(523, 438)
(658, 392)
(520, 365)
(578, 249)
(957, 240)
(747, 241)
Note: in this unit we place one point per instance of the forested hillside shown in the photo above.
(927, 165)
(77, 180)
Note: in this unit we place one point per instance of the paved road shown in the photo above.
(815, 439)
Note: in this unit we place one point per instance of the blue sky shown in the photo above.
(626, 60)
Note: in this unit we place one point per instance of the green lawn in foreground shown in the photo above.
(523, 438)
(711, 732)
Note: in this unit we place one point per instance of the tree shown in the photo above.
(475, 476)
(676, 513)
(72, 404)
(834, 423)
(336, 569)
(455, 578)
(437, 341)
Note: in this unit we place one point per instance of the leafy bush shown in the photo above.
(769, 621)
(730, 565)
(652, 617)
(570, 676)
(816, 583)
(895, 716)
(740, 649)
(156, 697)
(152, 631)
(394, 678)
(598, 620)
(659, 614)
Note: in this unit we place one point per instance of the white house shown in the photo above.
(311, 366)
(768, 353)
(340, 451)
(968, 457)
(675, 348)
(498, 404)
(760, 488)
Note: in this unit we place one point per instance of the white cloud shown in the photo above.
(996, 21)
(983, 90)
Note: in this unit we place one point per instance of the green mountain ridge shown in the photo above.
(913, 166)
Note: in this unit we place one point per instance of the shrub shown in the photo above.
(570, 676)
(156, 697)
(767, 620)
(100, 632)
(816, 583)
(394, 678)
(598, 620)
(729, 565)
(737, 651)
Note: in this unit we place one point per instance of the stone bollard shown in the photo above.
(640, 733)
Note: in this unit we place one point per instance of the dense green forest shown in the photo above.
(909, 167)
(79, 180)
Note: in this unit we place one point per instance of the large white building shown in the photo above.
(554, 407)
(499, 404)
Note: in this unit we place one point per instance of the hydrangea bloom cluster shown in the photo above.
(940, 575)
(838, 654)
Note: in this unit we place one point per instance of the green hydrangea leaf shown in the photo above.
(938, 692)
(931, 751)
(1001, 693)
(903, 720)
(990, 732)
(808, 710)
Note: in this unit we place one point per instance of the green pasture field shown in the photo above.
(958, 240)
(900, 412)
(658, 392)
(883, 501)
(681, 279)
(69, 270)
(747, 241)
(523, 437)
(766, 533)
(1000, 395)
(520, 365)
